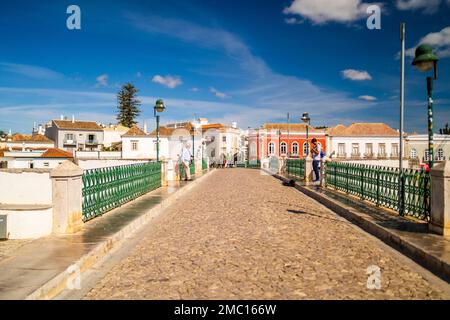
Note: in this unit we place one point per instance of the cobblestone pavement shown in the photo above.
(242, 235)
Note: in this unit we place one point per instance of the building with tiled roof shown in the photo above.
(26, 142)
(74, 135)
(57, 153)
(135, 131)
(112, 135)
(360, 141)
(282, 139)
(33, 159)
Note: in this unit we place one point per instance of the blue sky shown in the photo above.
(248, 61)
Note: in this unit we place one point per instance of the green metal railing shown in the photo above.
(295, 168)
(107, 188)
(204, 164)
(254, 164)
(381, 186)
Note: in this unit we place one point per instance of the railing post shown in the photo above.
(67, 188)
(335, 176)
(346, 184)
(323, 173)
(308, 170)
(362, 182)
(164, 173)
(440, 199)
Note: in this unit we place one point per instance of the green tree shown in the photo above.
(128, 105)
(445, 130)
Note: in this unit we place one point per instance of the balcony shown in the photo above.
(368, 155)
(70, 142)
(90, 142)
(355, 156)
(382, 155)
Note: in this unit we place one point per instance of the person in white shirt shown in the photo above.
(185, 159)
(316, 151)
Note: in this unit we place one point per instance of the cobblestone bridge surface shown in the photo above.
(242, 235)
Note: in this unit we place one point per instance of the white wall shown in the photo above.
(349, 141)
(25, 186)
(28, 224)
(144, 151)
(38, 163)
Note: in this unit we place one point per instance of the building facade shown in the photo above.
(73, 135)
(417, 148)
(37, 159)
(281, 139)
(361, 141)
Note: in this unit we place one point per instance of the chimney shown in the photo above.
(145, 127)
(62, 117)
(234, 125)
(73, 118)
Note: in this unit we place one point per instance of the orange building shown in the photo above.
(282, 139)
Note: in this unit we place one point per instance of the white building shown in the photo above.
(363, 141)
(112, 135)
(25, 142)
(223, 141)
(41, 159)
(417, 147)
(136, 144)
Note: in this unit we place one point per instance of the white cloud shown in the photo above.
(102, 80)
(217, 93)
(440, 41)
(169, 81)
(194, 89)
(356, 75)
(293, 20)
(323, 11)
(30, 71)
(367, 98)
(429, 6)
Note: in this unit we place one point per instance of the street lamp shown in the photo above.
(158, 108)
(425, 61)
(306, 119)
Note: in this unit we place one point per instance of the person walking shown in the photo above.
(186, 160)
(316, 155)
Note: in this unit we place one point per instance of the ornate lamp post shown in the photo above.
(159, 107)
(306, 119)
(425, 61)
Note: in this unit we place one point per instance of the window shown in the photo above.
(341, 150)
(91, 137)
(440, 155)
(283, 148)
(213, 153)
(355, 149)
(31, 165)
(134, 145)
(427, 155)
(305, 148)
(46, 164)
(69, 136)
(395, 149)
(382, 149)
(295, 148)
(224, 139)
(253, 149)
(413, 153)
(369, 149)
(271, 149)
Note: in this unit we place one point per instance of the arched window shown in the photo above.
(295, 148)
(413, 153)
(305, 148)
(271, 148)
(283, 148)
(253, 149)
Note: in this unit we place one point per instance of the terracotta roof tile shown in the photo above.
(363, 130)
(293, 127)
(56, 153)
(80, 125)
(30, 138)
(135, 132)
